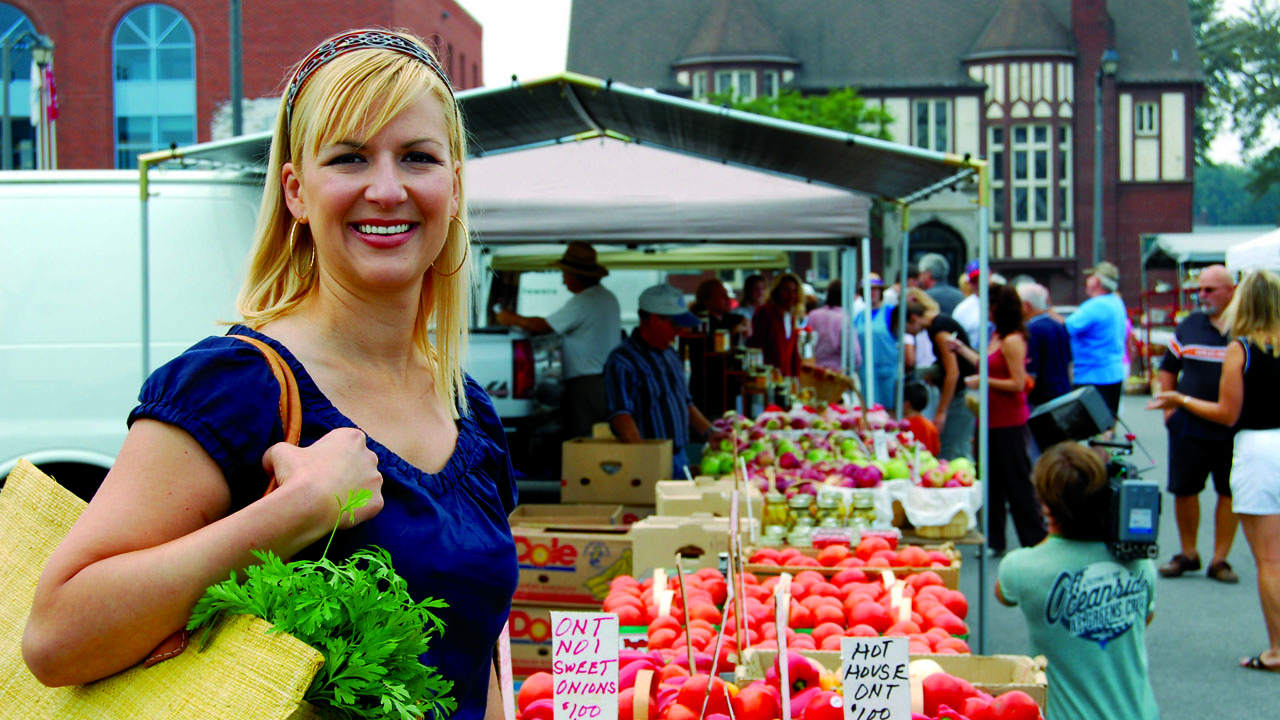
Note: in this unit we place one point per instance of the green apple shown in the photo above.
(961, 463)
(897, 469)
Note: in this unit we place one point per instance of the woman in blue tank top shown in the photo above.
(359, 279)
(1253, 365)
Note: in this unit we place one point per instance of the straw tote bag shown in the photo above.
(243, 674)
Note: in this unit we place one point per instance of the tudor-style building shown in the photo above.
(1011, 81)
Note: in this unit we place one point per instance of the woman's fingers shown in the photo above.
(334, 466)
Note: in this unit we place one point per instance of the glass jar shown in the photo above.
(863, 507)
(775, 511)
(774, 539)
(801, 537)
(799, 506)
(828, 508)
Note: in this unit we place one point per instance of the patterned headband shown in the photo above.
(358, 40)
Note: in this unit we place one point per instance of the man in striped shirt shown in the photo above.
(1198, 448)
(644, 379)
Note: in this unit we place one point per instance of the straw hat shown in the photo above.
(580, 258)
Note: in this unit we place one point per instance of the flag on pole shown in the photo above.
(51, 95)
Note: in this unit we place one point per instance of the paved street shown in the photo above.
(1201, 629)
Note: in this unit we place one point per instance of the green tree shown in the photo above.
(841, 109)
(1209, 105)
(1221, 198)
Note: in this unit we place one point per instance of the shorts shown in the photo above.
(1193, 459)
(1255, 474)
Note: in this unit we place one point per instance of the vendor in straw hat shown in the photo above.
(591, 325)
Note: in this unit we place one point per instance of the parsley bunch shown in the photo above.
(358, 614)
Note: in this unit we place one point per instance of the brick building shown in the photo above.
(136, 76)
(1011, 81)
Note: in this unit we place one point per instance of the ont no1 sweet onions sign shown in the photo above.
(584, 665)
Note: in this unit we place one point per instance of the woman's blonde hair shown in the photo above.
(1254, 312)
(798, 309)
(352, 97)
(921, 298)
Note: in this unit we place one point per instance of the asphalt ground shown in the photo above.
(1202, 628)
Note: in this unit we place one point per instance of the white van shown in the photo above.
(71, 314)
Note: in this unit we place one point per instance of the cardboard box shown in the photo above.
(554, 515)
(632, 514)
(704, 495)
(995, 674)
(950, 575)
(699, 539)
(607, 471)
(570, 567)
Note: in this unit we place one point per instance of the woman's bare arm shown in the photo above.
(157, 534)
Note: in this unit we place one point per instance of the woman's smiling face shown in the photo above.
(379, 210)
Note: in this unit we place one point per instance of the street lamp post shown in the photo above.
(41, 49)
(1106, 67)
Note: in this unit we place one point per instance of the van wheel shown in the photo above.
(83, 480)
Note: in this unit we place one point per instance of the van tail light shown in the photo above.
(522, 376)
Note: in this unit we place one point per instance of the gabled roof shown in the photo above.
(870, 44)
(1023, 27)
(735, 28)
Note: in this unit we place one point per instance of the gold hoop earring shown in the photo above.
(466, 250)
(293, 237)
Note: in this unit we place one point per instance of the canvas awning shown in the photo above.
(1203, 247)
(1256, 254)
(668, 258)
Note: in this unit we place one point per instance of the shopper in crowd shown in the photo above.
(935, 275)
(1086, 610)
(914, 399)
(753, 296)
(712, 300)
(953, 418)
(359, 279)
(1247, 391)
(645, 383)
(1098, 337)
(882, 370)
(591, 325)
(1199, 448)
(1048, 347)
(969, 311)
(775, 327)
(894, 293)
(828, 323)
(1008, 438)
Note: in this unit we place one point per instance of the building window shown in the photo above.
(995, 151)
(13, 24)
(769, 83)
(1064, 176)
(739, 83)
(933, 124)
(1030, 179)
(155, 82)
(1147, 118)
(699, 85)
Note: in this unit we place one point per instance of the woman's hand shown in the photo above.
(332, 467)
(971, 382)
(1166, 400)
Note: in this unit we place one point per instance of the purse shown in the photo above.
(243, 673)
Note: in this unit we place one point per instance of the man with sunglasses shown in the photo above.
(1198, 448)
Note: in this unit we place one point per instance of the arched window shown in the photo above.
(155, 82)
(14, 24)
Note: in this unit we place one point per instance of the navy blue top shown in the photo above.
(447, 532)
(1261, 386)
(648, 383)
(1195, 357)
(1048, 359)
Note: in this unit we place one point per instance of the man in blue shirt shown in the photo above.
(1048, 346)
(644, 378)
(1097, 330)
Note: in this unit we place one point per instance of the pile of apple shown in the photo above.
(819, 448)
(872, 552)
(678, 692)
(958, 472)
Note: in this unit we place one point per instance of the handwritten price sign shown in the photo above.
(584, 665)
(874, 673)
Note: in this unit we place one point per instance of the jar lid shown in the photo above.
(774, 497)
(800, 500)
(828, 501)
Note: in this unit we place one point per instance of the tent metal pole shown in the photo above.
(869, 352)
(984, 406)
(902, 313)
(847, 292)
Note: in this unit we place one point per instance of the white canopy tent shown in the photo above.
(1260, 253)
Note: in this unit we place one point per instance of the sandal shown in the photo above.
(1178, 565)
(1256, 663)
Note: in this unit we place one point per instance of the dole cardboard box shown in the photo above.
(604, 517)
(569, 566)
(595, 470)
(698, 538)
(705, 495)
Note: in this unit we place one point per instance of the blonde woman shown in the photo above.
(775, 326)
(1252, 363)
(359, 280)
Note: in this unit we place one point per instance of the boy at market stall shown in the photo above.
(915, 397)
(1086, 611)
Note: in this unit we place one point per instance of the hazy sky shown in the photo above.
(529, 39)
